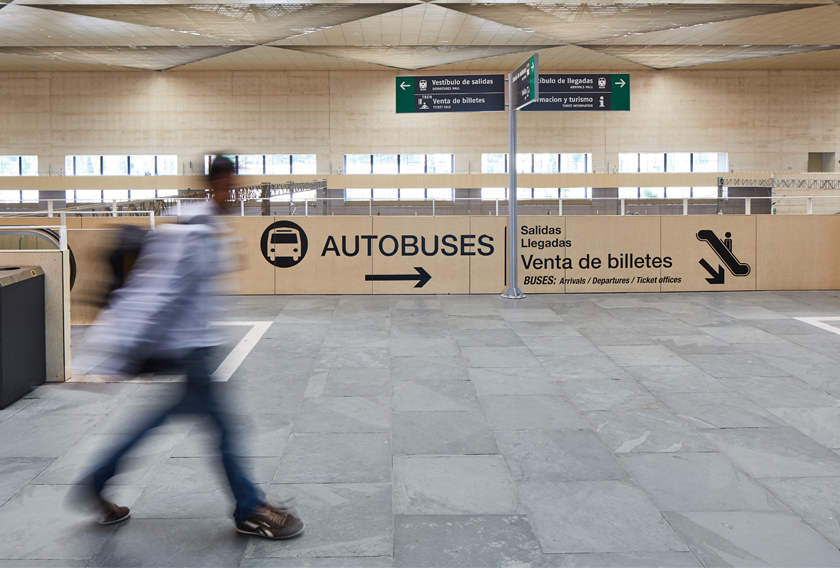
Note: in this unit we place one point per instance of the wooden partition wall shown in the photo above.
(468, 255)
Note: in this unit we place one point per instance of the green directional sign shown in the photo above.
(450, 93)
(524, 83)
(583, 92)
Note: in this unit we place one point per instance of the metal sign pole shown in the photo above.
(513, 291)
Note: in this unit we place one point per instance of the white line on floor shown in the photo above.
(818, 322)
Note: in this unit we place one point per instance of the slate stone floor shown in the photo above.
(612, 430)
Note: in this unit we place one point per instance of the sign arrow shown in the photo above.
(422, 277)
(403, 85)
(621, 83)
(717, 277)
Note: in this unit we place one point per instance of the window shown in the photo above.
(412, 194)
(494, 193)
(107, 195)
(356, 194)
(524, 193)
(705, 192)
(120, 165)
(399, 163)
(546, 192)
(574, 192)
(278, 164)
(381, 194)
(494, 163)
(18, 166)
(677, 192)
(652, 192)
(538, 163)
(628, 192)
(413, 163)
(652, 163)
(358, 163)
(298, 196)
(546, 164)
(440, 163)
(678, 162)
(266, 164)
(386, 164)
(19, 196)
(440, 193)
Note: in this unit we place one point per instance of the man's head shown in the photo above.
(220, 171)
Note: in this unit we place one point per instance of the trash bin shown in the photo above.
(23, 341)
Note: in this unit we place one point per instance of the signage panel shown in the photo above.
(524, 84)
(450, 93)
(584, 92)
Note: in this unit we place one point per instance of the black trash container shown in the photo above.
(23, 340)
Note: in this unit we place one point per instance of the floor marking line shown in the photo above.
(818, 322)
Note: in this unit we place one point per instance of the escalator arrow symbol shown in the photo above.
(717, 277)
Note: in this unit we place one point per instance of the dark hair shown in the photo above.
(221, 166)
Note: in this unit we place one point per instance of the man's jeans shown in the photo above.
(198, 398)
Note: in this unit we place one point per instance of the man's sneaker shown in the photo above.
(109, 513)
(271, 521)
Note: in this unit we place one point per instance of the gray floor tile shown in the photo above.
(531, 412)
(619, 560)
(781, 392)
(336, 458)
(135, 413)
(43, 563)
(78, 398)
(68, 535)
(304, 316)
(815, 499)
(642, 355)
(349, 338)
(16, 407)
(697, 482)
(512, 357)
(609, 394)
(196, 488)
(419, 346)
(719, 410)
(775, 452)
(488, 338)
(15, 473)
(547, 347)
(54, 434)
(743, 335)
(543, 329)
(434, 396)
(675, 327)
(583, 367)
(675, 379)
(468, 541)
(641, 314)
(531, 380)
(694, 344)
(738, 538)
(357, 382)
(333, 515)
(139, 466)
(423, 368)
(566, 455)
(647, 431)
(344, 414)
(337, 357)
(734, 365)
(331, 562)
(820, 424)
(822, 342)
(416, 433)
(257, 435)
(596, 516)
(290, 346)
(609, 337)
(178, 543)
(453, 485)
(490, 321)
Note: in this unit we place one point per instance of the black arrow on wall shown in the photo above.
(717, 277)
(422, 277)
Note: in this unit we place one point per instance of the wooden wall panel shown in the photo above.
(540, 270)
(91, 248)
(612, 237)
(487, 273)
(111, 222)
(327, 272)
(253, 275)
(449, 266)
(798, 253)
(680, 242)
(54, 264)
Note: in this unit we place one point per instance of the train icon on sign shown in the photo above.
(422, 84)
(602, 82)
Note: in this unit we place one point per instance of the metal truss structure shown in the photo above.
(780, 183)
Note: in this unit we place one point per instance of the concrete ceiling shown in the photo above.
(442, 35)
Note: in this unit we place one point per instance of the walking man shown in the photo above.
(161, 315)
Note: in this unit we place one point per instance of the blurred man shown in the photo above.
(161, 318)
